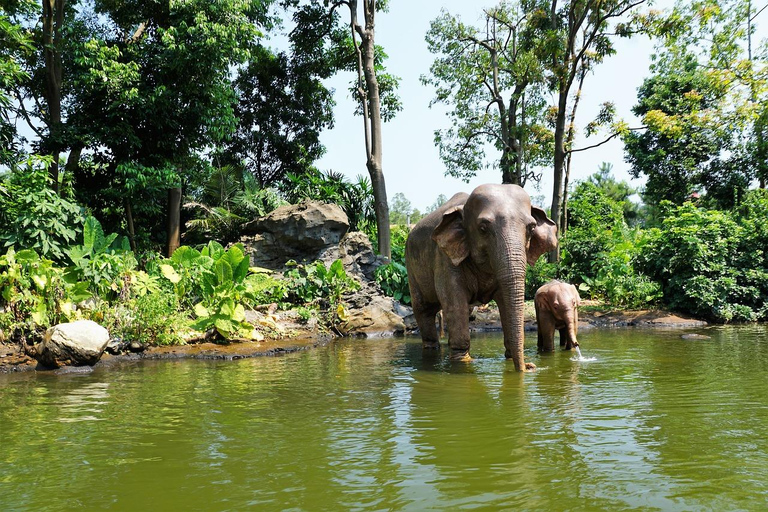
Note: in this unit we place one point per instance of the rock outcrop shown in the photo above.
(371, 313)
(72, 344)
(298, 232)
(356, 253)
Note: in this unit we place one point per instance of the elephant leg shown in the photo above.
(457, 319)
(545, 331)
(425, 319)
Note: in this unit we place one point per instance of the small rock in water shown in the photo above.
(693, 336)
(135, 346)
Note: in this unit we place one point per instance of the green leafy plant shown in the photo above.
(218, 284)
(34, 292)
(36, 216)
(393, 279)
(103, 261)
(317, 284)
(537, 275)
(707, 263)
(149, 319)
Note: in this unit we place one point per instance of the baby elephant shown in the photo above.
(556, 308)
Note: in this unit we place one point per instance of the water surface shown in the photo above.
(654, 423)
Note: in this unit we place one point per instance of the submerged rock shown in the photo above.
(72, 344)
(116, 346)
(693, 336)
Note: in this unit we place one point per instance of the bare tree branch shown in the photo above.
(612, 136)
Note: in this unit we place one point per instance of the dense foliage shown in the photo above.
(393, 277)
(712, 263)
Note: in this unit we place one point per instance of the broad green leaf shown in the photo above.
(93, 234)
(223, 271)
(170, 273)
(228, 308)
(26, 256)
(79, 292)
(40, 281)
(224, 326)
(213, 250)
(185, 255)
(238, 315)
(234, 256)
(40, 314)
(107, 242)
(241, 270)
(201, 311)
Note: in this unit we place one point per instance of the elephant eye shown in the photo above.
(530, 228)
(483, 227)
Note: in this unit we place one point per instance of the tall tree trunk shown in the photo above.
(559, 161)
(53, 20)
(129, 221)
(174, 219)
(507, 152)
(569, 144)
(73, 160)
(372, 118)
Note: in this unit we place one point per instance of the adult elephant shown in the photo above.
(472, 250)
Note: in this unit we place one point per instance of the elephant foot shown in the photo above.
(430, 345)
(460, 355)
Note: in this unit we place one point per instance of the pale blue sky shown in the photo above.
(411, 161)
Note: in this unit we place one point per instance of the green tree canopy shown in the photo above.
(703, 106)
(493, 82)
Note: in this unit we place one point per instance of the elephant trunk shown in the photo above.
(511, 279)
(572, 326)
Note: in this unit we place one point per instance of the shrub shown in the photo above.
(599, 251)
(105, 262)
(710, 262)
(616, 281)
(393, 279)
(35, 216)
(150, 319)
(216, 284)
(539, 274)
(317, 284)
(34, 293)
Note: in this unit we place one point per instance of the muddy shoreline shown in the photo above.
(13, 359)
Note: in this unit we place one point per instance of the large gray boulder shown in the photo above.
(294, 232)
(371, 313)
(356, 253)
(72, 344)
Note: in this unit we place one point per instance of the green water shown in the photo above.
(655, 423)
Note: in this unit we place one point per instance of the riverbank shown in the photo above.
(290, 336)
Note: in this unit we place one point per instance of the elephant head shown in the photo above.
(496, 232)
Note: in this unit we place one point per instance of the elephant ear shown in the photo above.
(576, 296)
(543, 237)
(450, 235)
